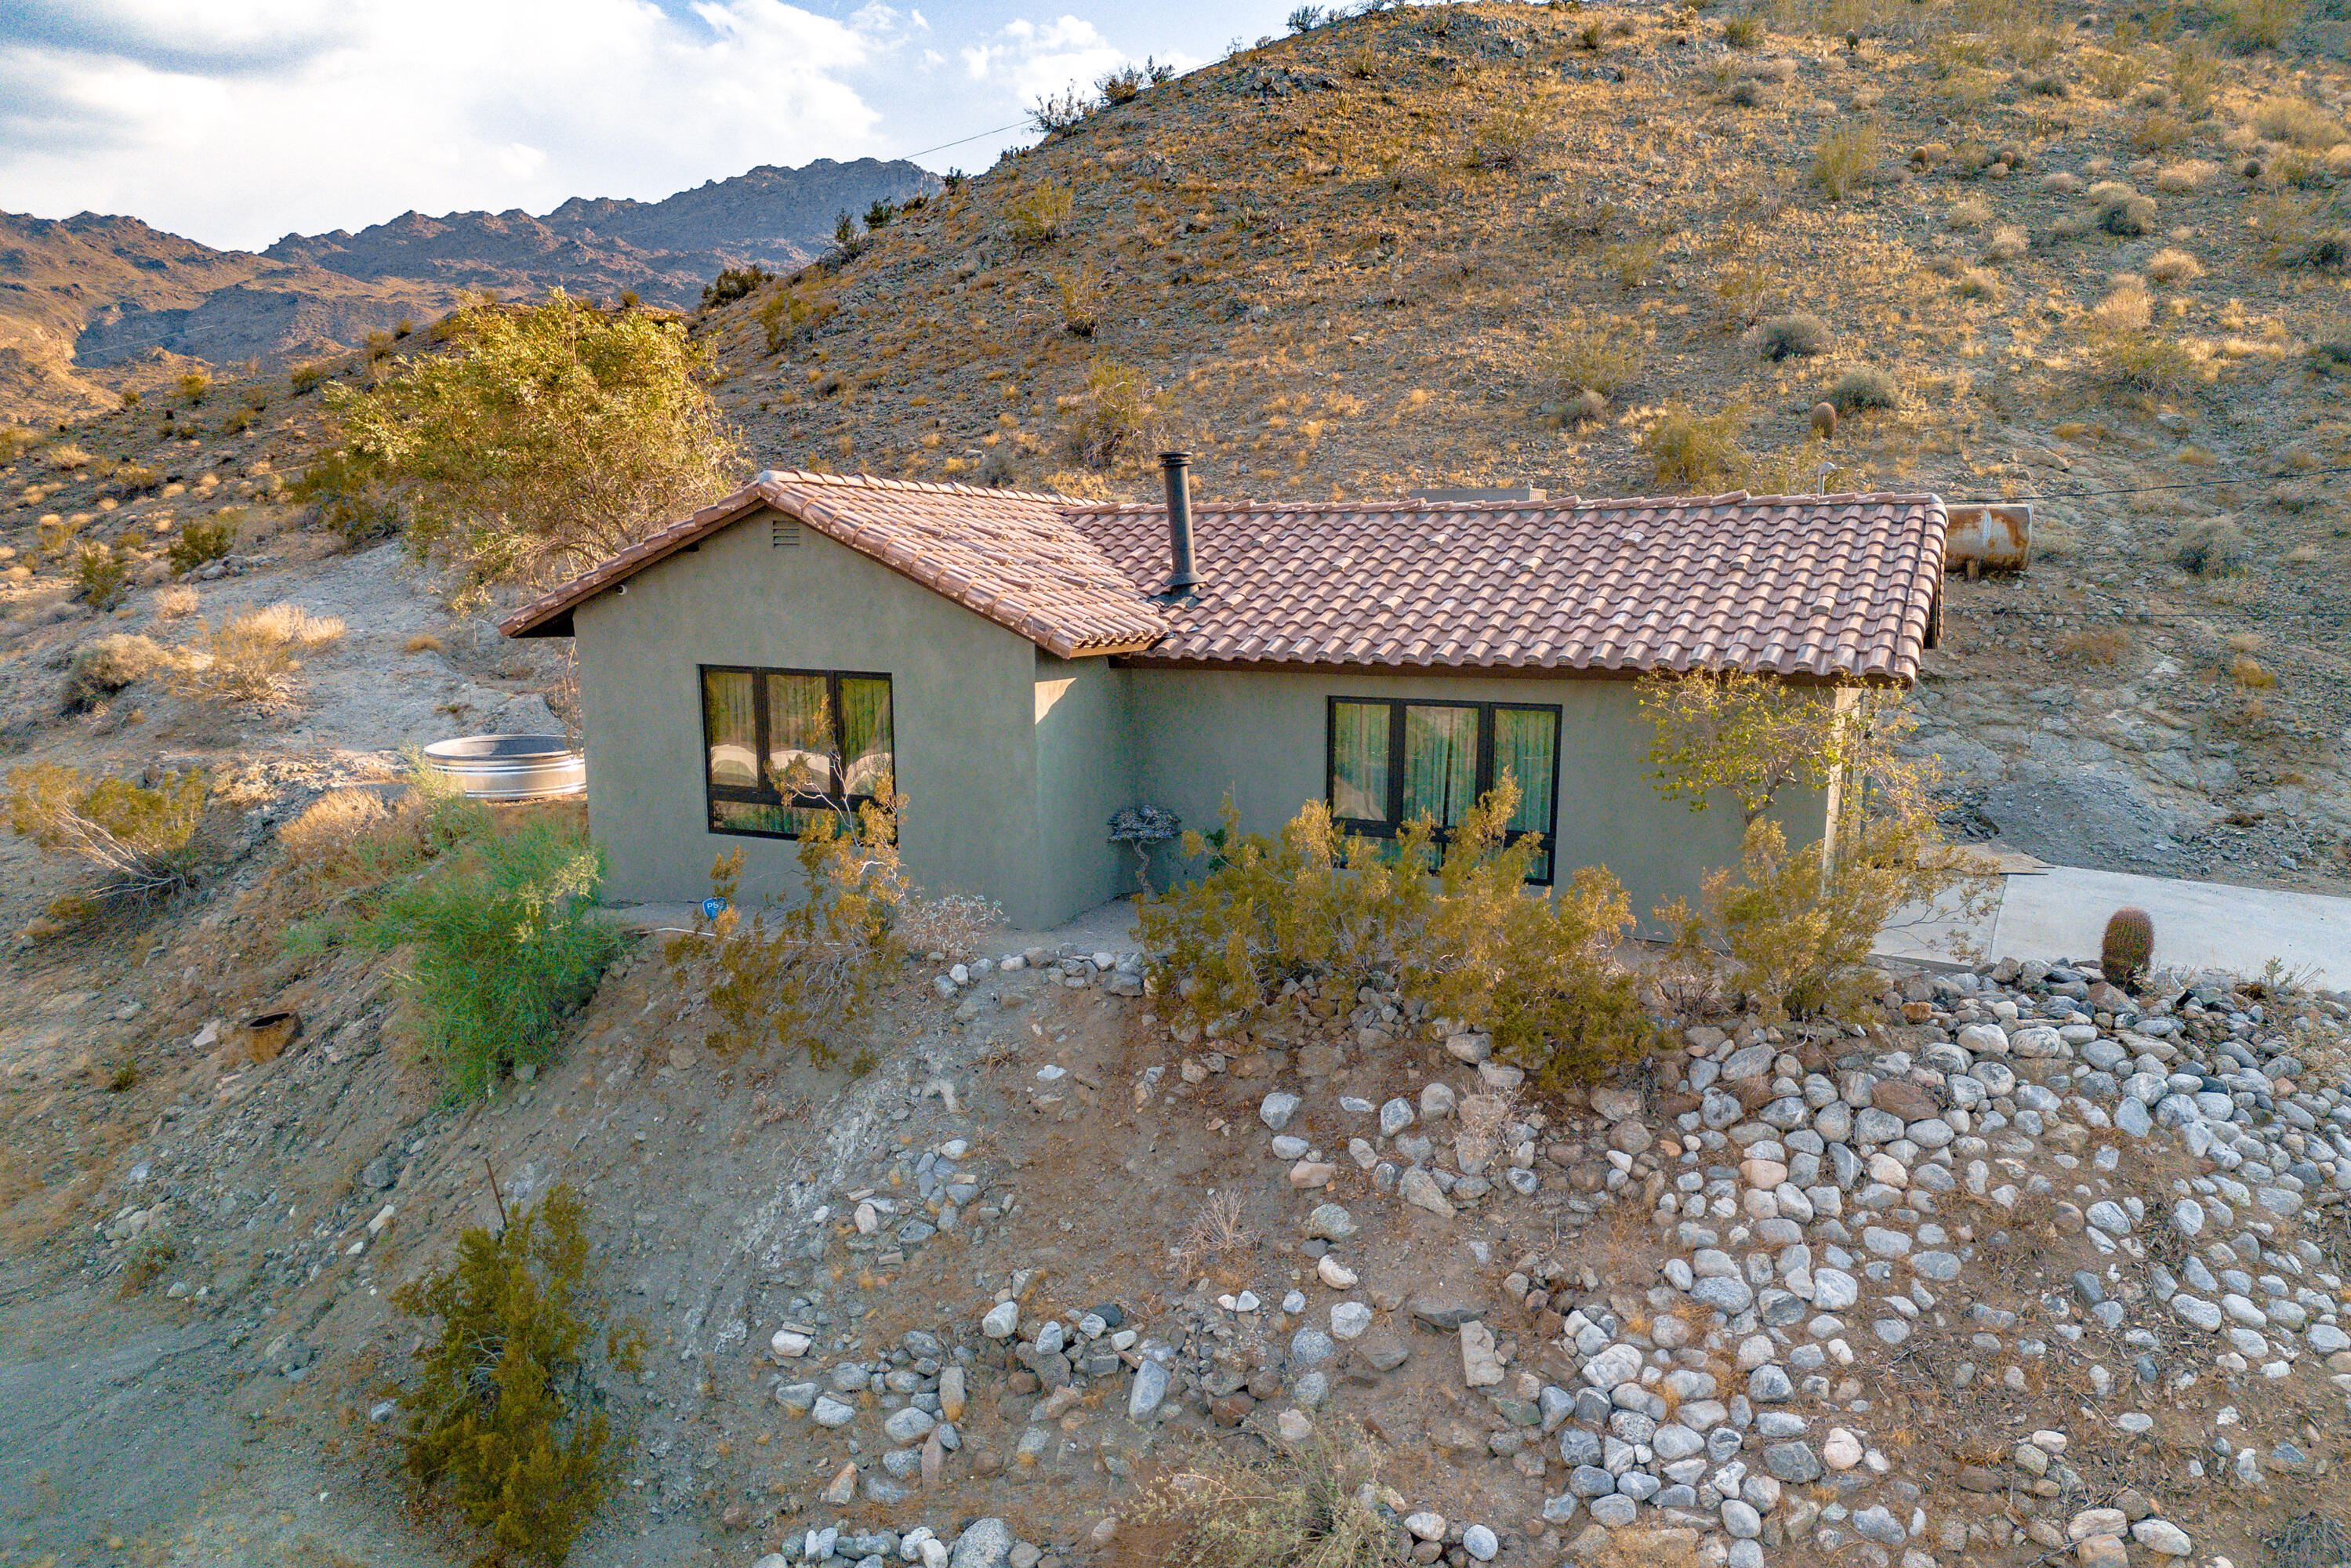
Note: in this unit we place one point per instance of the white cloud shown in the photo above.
(1029, 59)
(433, 104)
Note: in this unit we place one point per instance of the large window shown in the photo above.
(780, 745)
(1391, 762)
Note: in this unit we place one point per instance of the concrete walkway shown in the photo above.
(2197, 925)
(2059, 912)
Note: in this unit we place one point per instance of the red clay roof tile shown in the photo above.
(1806, 587)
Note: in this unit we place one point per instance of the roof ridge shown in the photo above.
(790, 477)
(1250, 505)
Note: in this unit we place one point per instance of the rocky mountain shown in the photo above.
(95, 305)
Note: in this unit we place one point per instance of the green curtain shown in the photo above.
(800, 736)
(729, 723)
(866, 755)
(1526, 745)
(1440, 763)
(1359, 761)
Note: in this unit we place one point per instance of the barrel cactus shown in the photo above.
(2130, 942)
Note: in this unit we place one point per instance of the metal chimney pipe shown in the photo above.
(1175, 466)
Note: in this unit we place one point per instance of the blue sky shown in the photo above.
(236, 121)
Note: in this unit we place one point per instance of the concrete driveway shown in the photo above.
(2197, 925)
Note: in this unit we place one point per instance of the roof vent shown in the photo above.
(1175, 467)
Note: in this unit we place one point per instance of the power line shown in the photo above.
(2147, 489)
(961, 140)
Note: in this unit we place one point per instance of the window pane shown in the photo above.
(800, 736)
(1525, 743)
(751, 817)
(1359, 761)
(1440, 763)
(727, 722)
(866, 756)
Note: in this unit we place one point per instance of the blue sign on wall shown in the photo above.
(711, 909)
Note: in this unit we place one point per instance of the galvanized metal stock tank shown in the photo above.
(510, 767)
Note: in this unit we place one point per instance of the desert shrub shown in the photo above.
(1306, 1510)
(53, 536)
(505, 1414)
(1790, 932)
(1055, 112)
(15, 441)
(2209, 547)
(2299, 121)
(1306, 19)
(2195, 77)
(2155, 131)
(845, 235)
(2250, 25)
(1970, 213)
(1115, 416)
(735, 282)
(104, 666)
(252, 658)
(101, 573)
(1470, 942)
(1846, 160)
(2120, 210)
(346, 496)
(801, 976)
(306, 377)
(130, 479)
(2101, 646)
(791, 312)
(2182, 179)
(1507, 139)
(1744, 31)
(1781, 336)
(544, 441)
(1864, 386)
(952, 925)
(67, 458)
(193, 385)
(197, 543)
(1040, 215)
(2145, 362)
(1693, 451)
(1600, 358)
(2116, 75)
(1123, 84)
(505, 942)
(1978, 283)
(175, 601)
(2127, 307)
(1081, 293)
(135, 837)
(331, 828)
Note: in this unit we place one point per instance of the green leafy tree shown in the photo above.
(502, 1417)
(1790, 931)
(547, 439)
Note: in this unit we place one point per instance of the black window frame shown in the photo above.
(713, 792)
(1393, 824)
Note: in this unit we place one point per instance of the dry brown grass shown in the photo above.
(175, 601)
(2102, 646)
(328, 833)
(251, 659)
(2172, 265)
(423, 642)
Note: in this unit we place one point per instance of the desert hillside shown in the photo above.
(2031, 252)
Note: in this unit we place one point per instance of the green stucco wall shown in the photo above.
(963, 689)
(1085, 771)
(1200, 733)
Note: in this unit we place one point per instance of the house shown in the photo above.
(1020, 667)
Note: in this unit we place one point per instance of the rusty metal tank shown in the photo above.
(1988, 536)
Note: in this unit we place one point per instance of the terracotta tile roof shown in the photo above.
(1008, 555)
(1811, 586)
(1808, 587)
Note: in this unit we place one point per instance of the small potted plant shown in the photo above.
(1143, 829)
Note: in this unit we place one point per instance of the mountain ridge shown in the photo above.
(95, 305)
